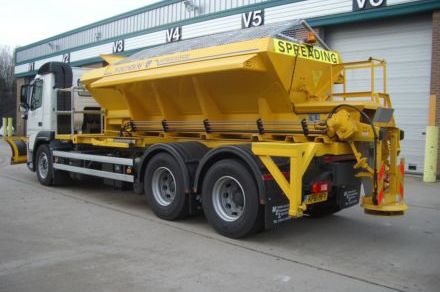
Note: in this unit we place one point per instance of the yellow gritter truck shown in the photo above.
(252, 127)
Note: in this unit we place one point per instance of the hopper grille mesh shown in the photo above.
(285, 30)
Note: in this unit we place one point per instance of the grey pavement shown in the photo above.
(89, 237)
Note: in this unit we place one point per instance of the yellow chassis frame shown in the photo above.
(300, 155)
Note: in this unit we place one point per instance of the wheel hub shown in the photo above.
(228, 198)
(43, 165)
(164, 186)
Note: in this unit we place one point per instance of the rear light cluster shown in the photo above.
(316, 187)
(320, 187)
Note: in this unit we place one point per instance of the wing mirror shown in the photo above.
(24, 93)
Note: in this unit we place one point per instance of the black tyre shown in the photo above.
(231, 201)
(44, 169)
(164, 187)
(43, 165)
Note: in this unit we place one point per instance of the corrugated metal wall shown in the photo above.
(145, 20)
(407, 48)
(91, 42)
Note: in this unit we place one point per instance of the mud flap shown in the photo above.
(18, 147)
(276, 207)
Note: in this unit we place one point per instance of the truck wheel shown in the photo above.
(44, 165)
(164, 188)
(46, 176)
(230, 199)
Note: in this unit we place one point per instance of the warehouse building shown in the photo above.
(404, 32)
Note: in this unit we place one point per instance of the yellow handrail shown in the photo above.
(376, 96)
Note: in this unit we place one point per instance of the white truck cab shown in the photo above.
(44, 100)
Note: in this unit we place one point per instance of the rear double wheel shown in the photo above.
(230, 199)
(164, 187)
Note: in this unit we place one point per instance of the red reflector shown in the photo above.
(268, 176)
(320, 187)
(402, 172)
(336, 158)
(381, 173)
(316, 188)
(380, 197)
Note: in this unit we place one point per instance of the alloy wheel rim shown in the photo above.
(164, 186)
(43, 165)
(228, 198)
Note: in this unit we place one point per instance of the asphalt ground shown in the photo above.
(90, 237)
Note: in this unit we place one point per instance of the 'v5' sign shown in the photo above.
(252, 19)
(368, 4)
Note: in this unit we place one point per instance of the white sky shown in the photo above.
(26, 21)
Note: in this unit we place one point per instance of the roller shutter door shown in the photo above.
(406, 44)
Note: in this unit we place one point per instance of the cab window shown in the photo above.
(37, 94)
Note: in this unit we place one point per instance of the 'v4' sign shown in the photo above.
(368, 4)
(174, 34)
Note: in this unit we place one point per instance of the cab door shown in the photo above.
(35, 121)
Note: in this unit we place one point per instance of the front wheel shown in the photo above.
(44, 168)
(230, 199)
(44, 165)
